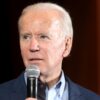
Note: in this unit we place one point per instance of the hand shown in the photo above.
(31, 99)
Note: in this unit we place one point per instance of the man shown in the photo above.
(46, 36)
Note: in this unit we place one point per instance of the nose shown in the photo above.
(34, 45)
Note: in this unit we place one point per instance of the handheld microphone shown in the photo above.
(32, 73)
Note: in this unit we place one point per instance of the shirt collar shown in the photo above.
(60, 86)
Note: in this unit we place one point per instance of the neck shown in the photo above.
(53, 82)
(52, 77)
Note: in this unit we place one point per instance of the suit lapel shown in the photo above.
(74, 92)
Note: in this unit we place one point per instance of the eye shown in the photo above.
(25, 37)
(44, 37)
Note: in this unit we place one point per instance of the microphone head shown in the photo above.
(32, 71)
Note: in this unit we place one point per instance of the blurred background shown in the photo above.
(82, 65)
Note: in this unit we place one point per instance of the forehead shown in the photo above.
(45, 15)
(39, 18)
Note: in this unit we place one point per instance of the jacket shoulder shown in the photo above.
(80, 92)
(7, 86)
(88, 94)
(12, 87)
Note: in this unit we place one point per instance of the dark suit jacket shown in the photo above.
(16, 90)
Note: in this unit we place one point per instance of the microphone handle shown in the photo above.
(32, 85)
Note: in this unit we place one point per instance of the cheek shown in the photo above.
(24, 50)
(56, 53)
(59, 49)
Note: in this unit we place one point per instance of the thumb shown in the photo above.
(30, 99)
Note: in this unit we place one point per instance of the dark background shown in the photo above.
(82, 65)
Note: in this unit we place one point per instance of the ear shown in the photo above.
(68, 46)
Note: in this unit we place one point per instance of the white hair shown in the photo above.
(66, 22)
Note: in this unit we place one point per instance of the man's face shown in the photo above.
(42, 42)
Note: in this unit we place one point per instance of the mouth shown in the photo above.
(34, 60)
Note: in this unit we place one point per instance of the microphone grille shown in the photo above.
(32, 71)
